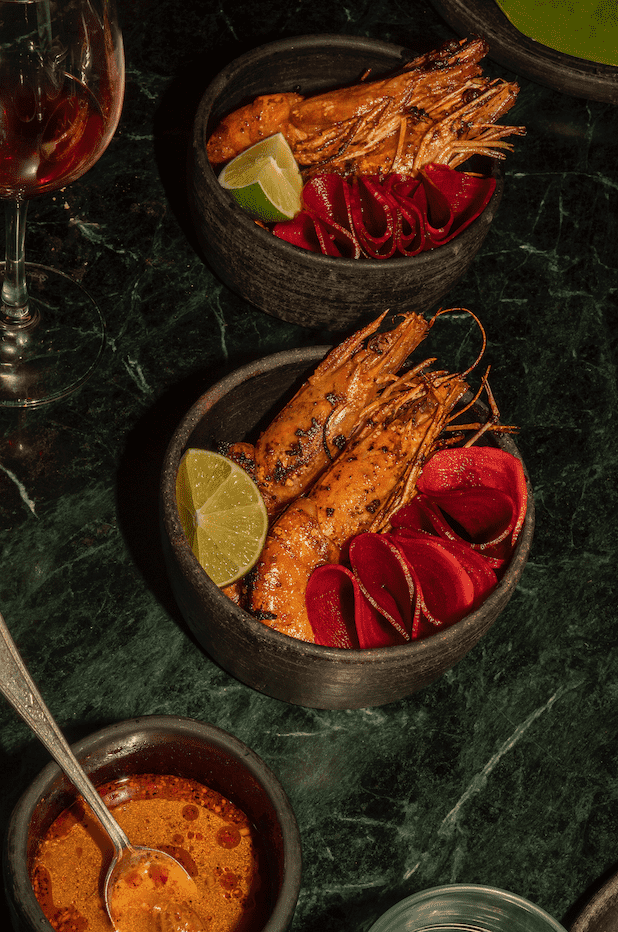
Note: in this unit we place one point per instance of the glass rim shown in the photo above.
(447, 890)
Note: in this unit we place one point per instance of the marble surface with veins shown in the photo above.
(504, 771)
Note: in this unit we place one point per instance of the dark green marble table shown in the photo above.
(503, 772)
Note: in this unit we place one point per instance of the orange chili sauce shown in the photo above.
(206, 833)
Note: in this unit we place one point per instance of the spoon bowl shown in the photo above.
(19, 689)
(178, 918)
(164, 885)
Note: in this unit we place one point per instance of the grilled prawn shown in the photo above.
(378, 126)
(356, 493)
(314, 426)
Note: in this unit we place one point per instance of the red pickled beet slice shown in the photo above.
(489, 504)
(374, 630)
(421, 514)
(447, 591)
(318, 235)
(331, 596)
(324, 225)
(373, 216)
(335, 240)
(385, 581)
(477, 468)
(423, 575)
(341, 616)
(326, 196)
(486, 516)
(464, 195)
(479, 570)
(383, 218)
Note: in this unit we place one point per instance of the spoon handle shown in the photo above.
(18, 687)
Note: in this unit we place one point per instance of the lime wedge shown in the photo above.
(222, 513)
(265, 180)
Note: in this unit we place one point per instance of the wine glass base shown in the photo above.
(57, 349)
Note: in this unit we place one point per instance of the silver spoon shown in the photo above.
(18, 687)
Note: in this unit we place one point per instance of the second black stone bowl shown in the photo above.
(283, 280)
(161, 744)
(600, 913)
(273, 663)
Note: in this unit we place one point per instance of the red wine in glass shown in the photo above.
(47, 151)
(61, 91)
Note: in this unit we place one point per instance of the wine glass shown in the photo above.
(61, 92)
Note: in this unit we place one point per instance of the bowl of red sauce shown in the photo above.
(270, 661)
(288, 282)
(177, 784)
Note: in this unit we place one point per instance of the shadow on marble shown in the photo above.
(30, 757)
(42, 452)
(173, 125)
(139, 472)
(368, 905)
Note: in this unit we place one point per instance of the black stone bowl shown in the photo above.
(273, 663)
(161, 744)
(600, 914)
(283, 280)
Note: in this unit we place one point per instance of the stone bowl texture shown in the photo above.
(273, 663)
(285, 281)
(600, 914)
(163, 744)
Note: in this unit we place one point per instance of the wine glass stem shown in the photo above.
(14, 290)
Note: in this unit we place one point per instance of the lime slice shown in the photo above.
(265, 180)
(222, 513)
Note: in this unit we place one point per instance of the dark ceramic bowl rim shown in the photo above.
(17, 833)
(190, 564)
(369, 267)
(596, 912)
